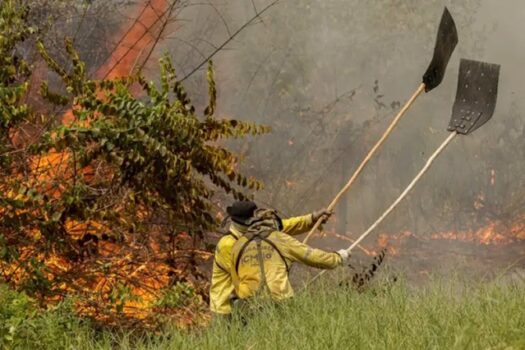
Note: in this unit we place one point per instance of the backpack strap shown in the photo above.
(241, 251)
(261, 264)
(259, 238)
(220, 266)
(230, 233)
(267, 240)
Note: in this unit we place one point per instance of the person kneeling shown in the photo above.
(261, 258)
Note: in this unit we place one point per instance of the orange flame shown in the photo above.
(494, 233)
(135, 41)
(52, 173)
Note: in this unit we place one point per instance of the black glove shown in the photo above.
(323, 214)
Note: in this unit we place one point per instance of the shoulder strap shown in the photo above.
(220, 266)
(231, 234)
(241, 251)
(267, 240)
(261, 265)
(260, 259)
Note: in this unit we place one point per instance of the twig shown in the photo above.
(221, 17)
(146, 31)
(159, 36)
(227, 41)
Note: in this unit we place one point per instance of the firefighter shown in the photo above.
(237, 268)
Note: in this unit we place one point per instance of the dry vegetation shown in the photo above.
(114, 165)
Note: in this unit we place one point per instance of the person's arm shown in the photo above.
(301, 224)
(297, 251)
(221, 281)
(297, 225)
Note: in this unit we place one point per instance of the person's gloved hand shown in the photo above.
(344, 254)
(323, 214)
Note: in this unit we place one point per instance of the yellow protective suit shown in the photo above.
(260, 265)
(221, 281)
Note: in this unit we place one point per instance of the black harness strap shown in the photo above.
(221, 267)
(261, 264)
(243, 248)
(267, 240)
(230, 233)
(241, 251)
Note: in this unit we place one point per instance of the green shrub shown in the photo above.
(15, 309)
(23, 325)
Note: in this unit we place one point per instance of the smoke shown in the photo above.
(328, 76)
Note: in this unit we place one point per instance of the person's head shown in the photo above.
(241, 212)
(246, 213)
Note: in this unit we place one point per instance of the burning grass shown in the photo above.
(444, 315)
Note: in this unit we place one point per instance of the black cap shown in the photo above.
(241, 211)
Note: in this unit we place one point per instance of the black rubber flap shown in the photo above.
(476, 96)
(447, 39)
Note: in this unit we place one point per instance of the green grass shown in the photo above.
(441, 315)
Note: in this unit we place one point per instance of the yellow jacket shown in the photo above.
(222, 284)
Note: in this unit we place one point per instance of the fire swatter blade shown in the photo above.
(475, 97)
(447, 39)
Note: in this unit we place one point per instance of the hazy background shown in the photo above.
(329, 76)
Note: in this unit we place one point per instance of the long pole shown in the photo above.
(399, 199)
(359, 169)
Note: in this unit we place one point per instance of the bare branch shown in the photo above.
(221, 17)
(146, 32)
(255, 10)
(227, 41)
(159, 35)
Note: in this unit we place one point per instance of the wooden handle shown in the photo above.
(405, 192)
(399, 199)
(359, 169)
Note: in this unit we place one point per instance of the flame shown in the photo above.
(489, 234)
(494, 233)
(132, 44)
(52, 172)
(134, 41)
(382, 240)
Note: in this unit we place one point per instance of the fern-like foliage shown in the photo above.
(126, 167)
(155, 145)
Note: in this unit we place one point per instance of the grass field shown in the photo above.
(441, 315)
